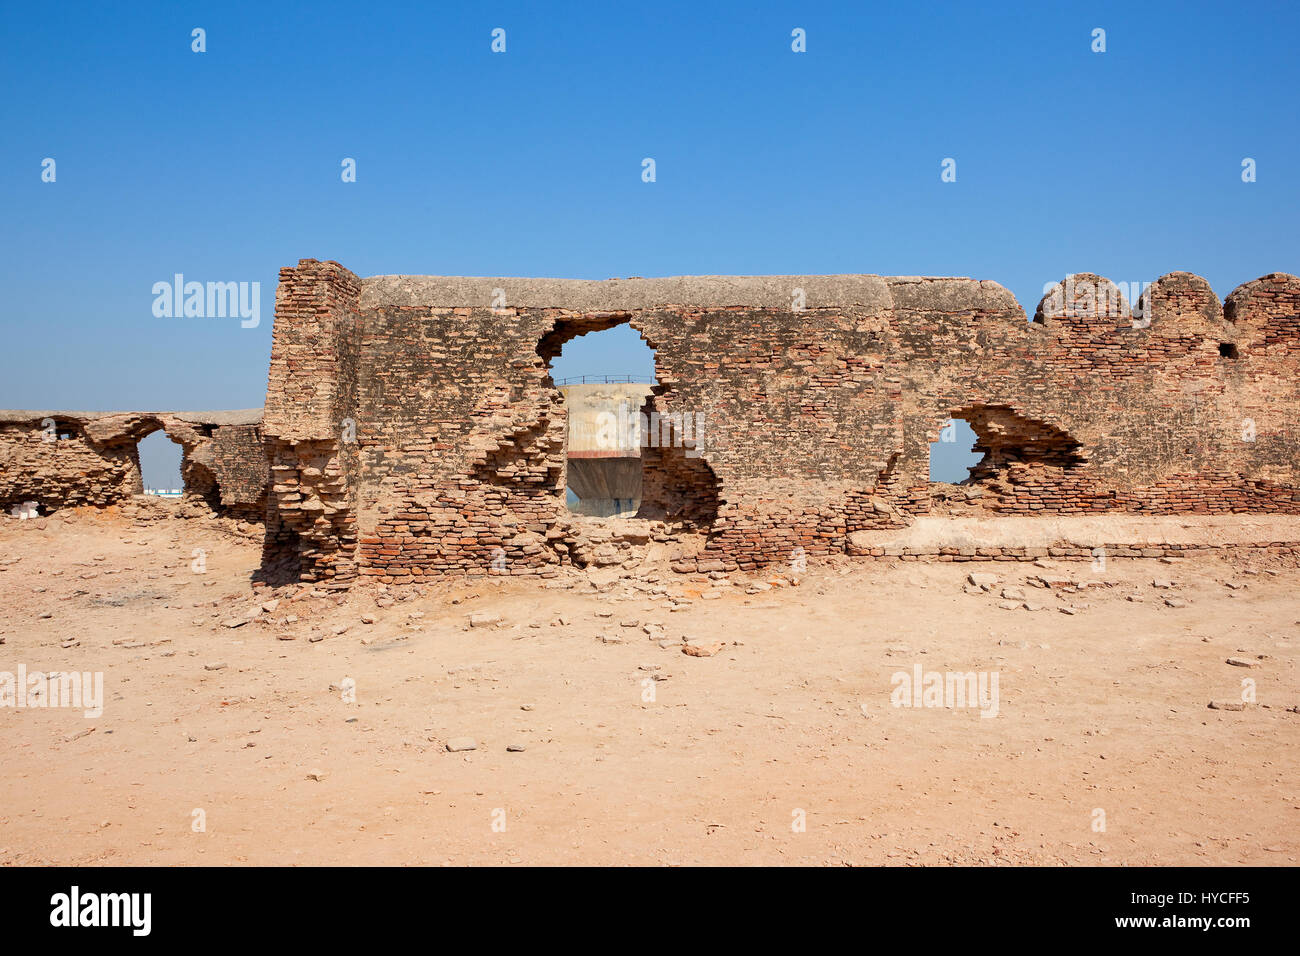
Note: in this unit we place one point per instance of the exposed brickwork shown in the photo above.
(240, 469)
(1266, 313)
(412, 428)
(70, 471)
(677, 484)
(311, 523)
(313, 370)
(817, 422)
(308, 424)
(94, 458)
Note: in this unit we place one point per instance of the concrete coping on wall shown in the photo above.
(245, 416)
(875, 294)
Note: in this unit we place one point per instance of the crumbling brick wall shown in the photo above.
(240, 471)
(68, 459)
(414, 430)
(48, 458)
(308, 426)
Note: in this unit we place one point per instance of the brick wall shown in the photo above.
(70, 470)
(819, 396)
(412, 429)
(94, 459)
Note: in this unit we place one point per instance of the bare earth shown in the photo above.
(635, 752)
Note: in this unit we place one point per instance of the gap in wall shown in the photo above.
(605, 376)
(953, 455)
(160, 464)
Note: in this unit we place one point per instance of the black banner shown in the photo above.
(940, 906)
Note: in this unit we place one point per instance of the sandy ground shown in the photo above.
(633, 751)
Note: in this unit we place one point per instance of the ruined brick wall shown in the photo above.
(677, 484)
(412, 428)
(461, 442)
(240, 470)
(1088, 409)
(307, 425)
(62, 466)
(62, 459)
(819, 397)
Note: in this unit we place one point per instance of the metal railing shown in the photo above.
(601, 380)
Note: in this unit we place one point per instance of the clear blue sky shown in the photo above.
(225, 165)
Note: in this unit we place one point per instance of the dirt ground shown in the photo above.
(782, 747)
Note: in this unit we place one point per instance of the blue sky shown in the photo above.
(225, 165)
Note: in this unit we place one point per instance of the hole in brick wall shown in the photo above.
(1227, 350)
(1002, 439)
(953, 455)
(64, 430)
(160, 464)
(618, 354)
(612, 416)
(605, 373)
(1006, 438)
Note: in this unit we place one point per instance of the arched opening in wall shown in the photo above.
(606, 372)
(664, 441)
(160, 465)
(985, 442)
